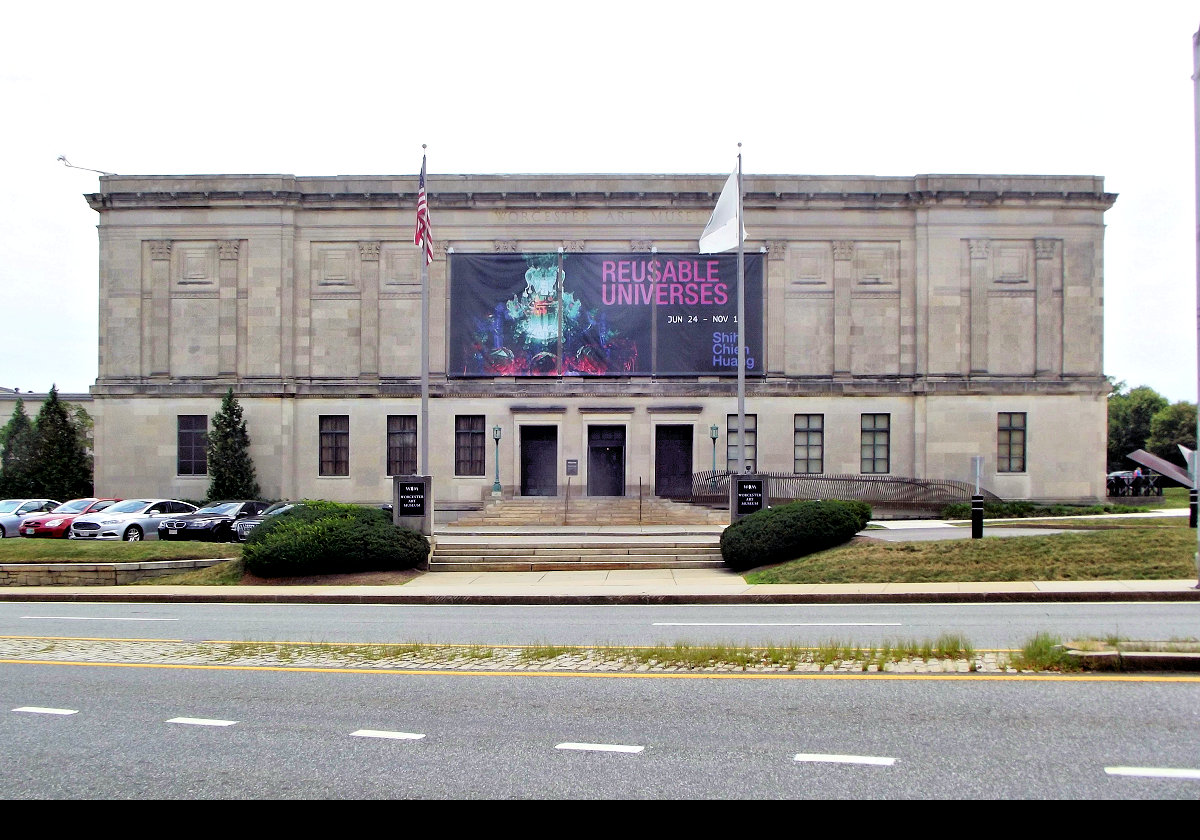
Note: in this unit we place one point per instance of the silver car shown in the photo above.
(131, 520)
(14, 511)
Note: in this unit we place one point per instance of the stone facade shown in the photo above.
(942, 302)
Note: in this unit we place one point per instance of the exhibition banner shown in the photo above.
(621, 314)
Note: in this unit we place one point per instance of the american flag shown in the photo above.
(424, 235)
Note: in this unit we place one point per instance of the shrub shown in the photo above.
(782, 533)
(329, 538)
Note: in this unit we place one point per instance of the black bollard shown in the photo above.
(976, 517)
(1191, 508)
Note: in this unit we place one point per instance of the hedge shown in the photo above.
(785, 532)
(319, 538)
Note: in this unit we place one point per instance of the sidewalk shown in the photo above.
(652, 586)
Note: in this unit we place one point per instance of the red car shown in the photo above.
(57, 523)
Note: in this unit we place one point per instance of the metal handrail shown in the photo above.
(713, 487)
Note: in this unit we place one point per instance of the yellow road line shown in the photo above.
(627, 674)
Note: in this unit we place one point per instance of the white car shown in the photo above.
(13, 511)
(131, 520)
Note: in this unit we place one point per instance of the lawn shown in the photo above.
(1145, 549)
(21, 550)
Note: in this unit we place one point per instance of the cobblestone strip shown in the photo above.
(447, 658)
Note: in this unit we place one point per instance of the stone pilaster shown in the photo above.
(981, 260)
(156, 311)
(368, 253)
(843, 285)
(775, 281)
(227, 318)
(1049, 306)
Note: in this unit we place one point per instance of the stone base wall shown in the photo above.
(93, 574)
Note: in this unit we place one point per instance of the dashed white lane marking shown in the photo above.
(882, 761)
(621, 748)
(39, 710)
(93, 618)
(1155, 772)
(202, 721)
(382, 733)
(777, 624)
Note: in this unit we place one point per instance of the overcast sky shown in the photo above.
(862, 88)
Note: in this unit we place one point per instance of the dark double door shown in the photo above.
(539, 460)
(606, 460)
(673, 461)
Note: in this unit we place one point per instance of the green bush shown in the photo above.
(1022, 510)
(320, 538)
(783, 533)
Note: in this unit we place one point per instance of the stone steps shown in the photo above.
(549, 510)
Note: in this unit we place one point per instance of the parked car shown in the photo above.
(131, 520)
(14, 511)
(213, 522)
(243, 527)
(57, 523)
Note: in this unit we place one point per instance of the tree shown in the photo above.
(1175, 425)
(17, 454)
(230, 468)
(1129, 416)
(61, 469)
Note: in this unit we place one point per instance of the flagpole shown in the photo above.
(741, 331)
(423, 425)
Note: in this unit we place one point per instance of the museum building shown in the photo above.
(576, 338)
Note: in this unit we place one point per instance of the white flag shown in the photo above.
(721, 232)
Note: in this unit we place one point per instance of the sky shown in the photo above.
(809, 88)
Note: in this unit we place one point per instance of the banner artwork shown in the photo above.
(612, 315)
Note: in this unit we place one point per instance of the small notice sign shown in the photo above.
(751, 495)
(572, 466)
(410, 499)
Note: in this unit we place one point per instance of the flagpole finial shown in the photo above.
(424, 147)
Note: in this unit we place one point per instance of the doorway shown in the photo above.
(673, 461)
(539, 460)
(606, 460)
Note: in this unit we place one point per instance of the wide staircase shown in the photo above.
(547, 533)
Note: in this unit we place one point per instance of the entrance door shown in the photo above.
(673, 461)
(606, 460)
(539, 461)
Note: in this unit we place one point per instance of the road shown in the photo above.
(70, 732)
(986, 626)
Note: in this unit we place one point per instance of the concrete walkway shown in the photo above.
(650, 586)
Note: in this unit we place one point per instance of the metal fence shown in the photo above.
(713, 488)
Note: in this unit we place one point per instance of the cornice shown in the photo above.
(557, 192)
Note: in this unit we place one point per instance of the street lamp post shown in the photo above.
(496, 437)
(714, 432)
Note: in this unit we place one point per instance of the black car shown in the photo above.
(213, 522)
(243, 527)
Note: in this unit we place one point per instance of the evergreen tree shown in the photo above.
(17, 455)
(230, 468)
(61, 469)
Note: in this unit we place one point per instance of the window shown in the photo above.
(810, 443)
(402, 444)
(876, 443)
(470, 451)
(751, 442)
(335, 444)
(1010, 442)
(191, 450)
